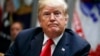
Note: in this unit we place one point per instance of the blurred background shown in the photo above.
(16, 15)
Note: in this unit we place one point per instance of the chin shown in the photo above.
(54, 29)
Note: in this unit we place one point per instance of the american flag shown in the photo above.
(86, 22)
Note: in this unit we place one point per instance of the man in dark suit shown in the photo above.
(51, 39)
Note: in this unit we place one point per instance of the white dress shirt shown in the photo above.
(55, 40)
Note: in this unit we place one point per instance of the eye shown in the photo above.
(57, 13)
(46, 13)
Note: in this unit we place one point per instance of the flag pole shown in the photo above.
(71, 7)
(34, 13)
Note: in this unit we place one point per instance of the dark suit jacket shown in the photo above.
(4, 44)
(29, 43)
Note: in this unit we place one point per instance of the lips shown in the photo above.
(53, 25)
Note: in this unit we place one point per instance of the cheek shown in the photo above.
(12, 33)
(62, 23)
(43, 23)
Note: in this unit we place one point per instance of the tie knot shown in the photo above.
(50, 41)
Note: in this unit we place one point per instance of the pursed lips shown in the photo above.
(53, 25)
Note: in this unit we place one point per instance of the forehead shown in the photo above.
(15, 24)
(52, 8)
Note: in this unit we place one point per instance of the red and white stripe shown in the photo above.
(87, 29)
(77, 25)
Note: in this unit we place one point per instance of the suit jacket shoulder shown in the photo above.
(78, 45)
(22, 44)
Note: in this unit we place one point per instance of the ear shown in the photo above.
(39, 20)
(66, 18)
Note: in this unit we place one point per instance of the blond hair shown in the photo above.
(43, 3)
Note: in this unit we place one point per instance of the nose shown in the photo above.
(52, 17)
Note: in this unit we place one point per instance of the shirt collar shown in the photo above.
(55, 40)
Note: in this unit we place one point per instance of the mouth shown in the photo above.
(53, 25)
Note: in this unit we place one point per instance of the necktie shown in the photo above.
(47, 49)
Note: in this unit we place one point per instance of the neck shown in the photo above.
(53, 35)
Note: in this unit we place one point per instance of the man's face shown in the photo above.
(15, 29)
(52, 19)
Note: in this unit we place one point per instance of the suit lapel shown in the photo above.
(62, 46)
(36, 45)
